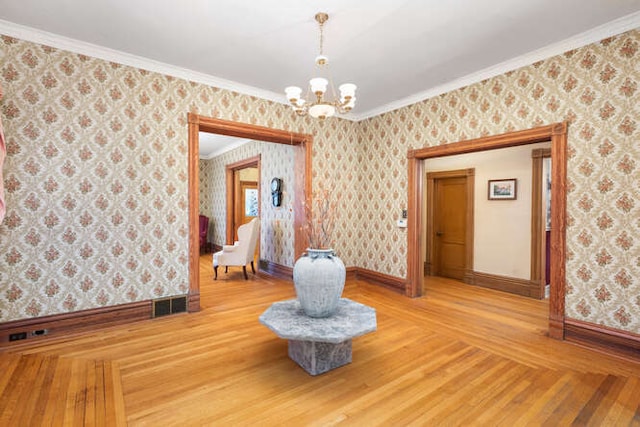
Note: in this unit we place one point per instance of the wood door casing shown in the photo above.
(231, 189)
(449, 245)
(538, 221)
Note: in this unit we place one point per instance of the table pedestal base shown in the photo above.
(319, 357)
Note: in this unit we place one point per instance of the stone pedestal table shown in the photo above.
(319, 345)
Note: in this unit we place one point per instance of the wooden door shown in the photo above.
(449, 227)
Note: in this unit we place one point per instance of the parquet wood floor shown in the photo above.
(461, 355)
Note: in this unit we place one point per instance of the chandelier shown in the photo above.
(316, 102)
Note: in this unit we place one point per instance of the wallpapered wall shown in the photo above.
(594, 88)
(276, 223)
(205, 195)
(96, 173)
(96, 177)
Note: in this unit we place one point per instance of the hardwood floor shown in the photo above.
(461, 355)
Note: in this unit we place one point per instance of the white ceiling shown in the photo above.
(212, 145)
(396, 51)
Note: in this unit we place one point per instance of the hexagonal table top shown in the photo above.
(351, 319)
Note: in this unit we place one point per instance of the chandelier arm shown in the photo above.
(347, 100)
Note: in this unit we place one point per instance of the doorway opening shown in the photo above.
(302, 144)
(242, 194)
(502, 249)
(557, 134)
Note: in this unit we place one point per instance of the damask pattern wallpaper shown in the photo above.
(96, 178)
(96, 173)
(205, 184)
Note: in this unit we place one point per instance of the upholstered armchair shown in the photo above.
(204, 229)
(241, 252)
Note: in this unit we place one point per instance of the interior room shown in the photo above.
(469, 170)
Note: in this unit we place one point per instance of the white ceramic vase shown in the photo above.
(319, 277)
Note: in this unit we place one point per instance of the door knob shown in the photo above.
(439, 233)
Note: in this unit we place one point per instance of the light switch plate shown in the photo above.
(402, 223)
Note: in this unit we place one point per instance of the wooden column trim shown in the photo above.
(558, 230)
(228, 200)
(471, 185)
(538, 225)
(194, 210)
(302, 159)
(415, 271)
(537, 242)
(430, 268)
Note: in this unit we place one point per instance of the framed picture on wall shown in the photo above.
(503, 189)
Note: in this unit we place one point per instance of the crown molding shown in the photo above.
(609, 29)
(76, 46)
(618, 26)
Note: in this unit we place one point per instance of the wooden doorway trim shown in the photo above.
(557, 134)
(302, 144)
(229, 199)
(469, 174)
(538, 220)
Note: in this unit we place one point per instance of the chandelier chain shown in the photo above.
(321, 38)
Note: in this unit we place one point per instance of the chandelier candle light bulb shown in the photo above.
(318, 106)
(319, 86)
(293, 94)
